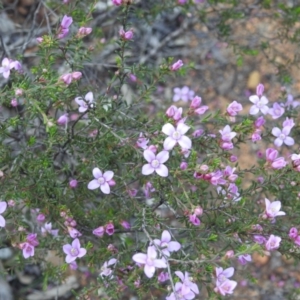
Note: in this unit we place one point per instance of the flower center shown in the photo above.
(164, 245)
(176, 135)
(155, 163)
(101, 180)
(222, 278)
(74, 251)
(282, 136)
(277, 111)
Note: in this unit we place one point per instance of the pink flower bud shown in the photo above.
(204, 168)
(233, 158)
(260, 179)
(39, 40)
(110, 228)
(132, 192)
(19, 92)
(152, 148)
(73, 183)
(66, 78)
(63, 214)
(99, 231)
(196, 102)
(293, 233)
(40, 218)
(259, 122)
(83, 31)
(125, 224)
(14, 102)
(132, 77)
(201, 110)
(260, 90)
(171, 111)
(198, 211)
(111, 182)
(112, 248)
(73, 264)
(76, 75)
(183, 165)
(63, 120)
(177, 65)
(117, 2)
(126, 35)
(11, 203)
(73, 223)
(198, 132)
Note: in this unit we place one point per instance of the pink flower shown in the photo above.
(276, 163)
(117, 2)
(273, 209)
(99, 231)
(66, 78)
(106, 271)
(244, 259)
(233, 108)
(290, 102)
(223, 275)
(73, 183)
(28, 250)
(14, 102)
(176, 136)
(194, 220)
(277, 111)
(260, 104)
(149, 261)
(48, 228)
(101, 180)
(83, 31)
(166, 244)
(73, 232)
(184, 94)
(177, 65)
(260, 121)
(155, 163)
(126, 35)
(226, 134)
(259, 239)
(64, 27)
(273, 242)
(293, 234)
(288, 123)
(282, 136)
(125, 224)
(40, 218)
(196, 102)
(142, 142)
(201, 110)
(76, 75)
(86, 103)
(39, 39)
(73, 251)
(110, 228)
(3, 206)
(63, 120)
(7, 65)
(226, 287)
(183, 165)
(188, 286)
(181, 293)
(163, 276)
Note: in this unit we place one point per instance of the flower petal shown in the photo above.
(67, 248)
(289, 141)
(149, 156)
(94, 184)
(168, 129)
(108, 175)
(147, 169)
(169, 143)
(162, 171)
(2, 221)
(159, 263)
(254, 99)
(182, 128)
(3, 206)
(89, 97)
(149, 271)
(97, 173)
(166, 236)
(185, 142)
(253, 110)
(82, 252)
(105, 188)
(162, 156)
(140, 258)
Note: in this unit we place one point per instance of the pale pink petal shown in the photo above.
(94, 184)
(174, 246)
(169, 143)
(76, 244)
(267, 202)
(147, 169)
(6, 74)
(97, 173)
(289, 141)
(162, 171)
(166, 236)
(79, 101)
(140, 258)
(180, 275)
(177, 90)
(105, 188)
(3, 206)
(185, 142)
(228, 272)
(182, 128)
(82, 252)
(89, 97)
(2, 221)
(254, 99)
(82, 109)
(264, 100)
(168, 129)
(111, 262)
(176, 97)
(264, 109)
(67, 248)
(149, 271)
(149, 156)
(70, 258)
(218, 271)
(159, 263)
(253, 110)
(151, 252)
(108, 175)
(162, 156)
(278, 142)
